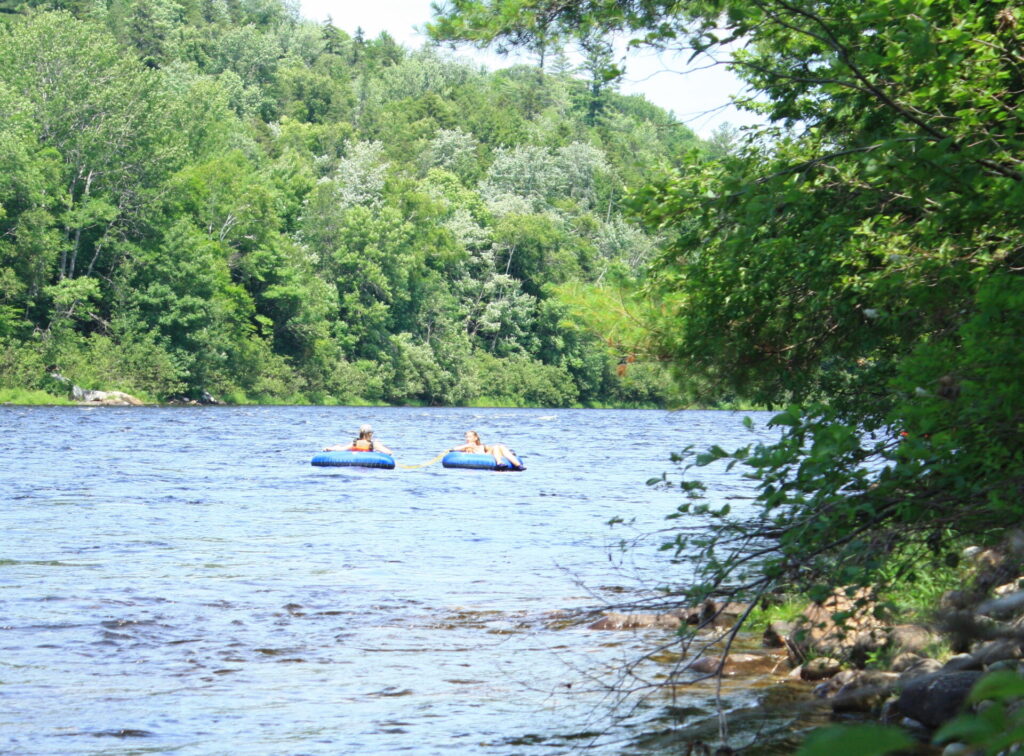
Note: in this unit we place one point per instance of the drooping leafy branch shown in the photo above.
(859, 256)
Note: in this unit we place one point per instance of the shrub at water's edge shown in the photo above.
(858, 261)
(411, 379)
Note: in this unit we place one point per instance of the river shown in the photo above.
(181, 580)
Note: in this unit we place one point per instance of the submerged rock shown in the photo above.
(735, 665)
(617, 621)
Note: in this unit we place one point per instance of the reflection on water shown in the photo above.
(181, 579)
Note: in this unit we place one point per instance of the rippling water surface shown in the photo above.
(182, 580)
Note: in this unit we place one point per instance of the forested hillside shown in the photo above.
(218, 197)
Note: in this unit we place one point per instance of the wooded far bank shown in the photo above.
(220, 198)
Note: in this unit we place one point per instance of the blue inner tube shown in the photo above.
(354, 459)
(468, 461)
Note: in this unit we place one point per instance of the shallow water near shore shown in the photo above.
(182, 580)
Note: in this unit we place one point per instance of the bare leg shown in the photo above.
(501, 451)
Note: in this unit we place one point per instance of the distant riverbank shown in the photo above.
(30, 397)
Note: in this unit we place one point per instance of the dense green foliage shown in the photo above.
(857, 261)
(218, 197)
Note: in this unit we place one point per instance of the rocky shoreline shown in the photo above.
(87, 397)
(859, 662)
(94, 398)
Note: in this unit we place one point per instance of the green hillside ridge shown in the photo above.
(222, 198)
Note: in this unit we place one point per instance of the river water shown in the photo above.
(181, 580)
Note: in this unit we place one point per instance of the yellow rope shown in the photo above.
(424, 464)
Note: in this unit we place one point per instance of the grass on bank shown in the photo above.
(34, 397)
(911, 592)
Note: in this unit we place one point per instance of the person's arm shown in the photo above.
(336, 447)
(378, 446)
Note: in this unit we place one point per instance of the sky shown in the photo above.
(698, 98)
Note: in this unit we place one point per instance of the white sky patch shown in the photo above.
(696, 93)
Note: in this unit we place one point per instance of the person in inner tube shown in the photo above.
(365, 442)
(501, 453)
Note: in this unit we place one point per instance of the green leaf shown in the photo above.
(968, 728)
(998, 686)
(818, 593)
(711, 455)
(857, 740)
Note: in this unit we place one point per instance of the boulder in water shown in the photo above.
(105, 398)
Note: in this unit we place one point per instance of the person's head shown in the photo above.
(365, 431)
(472, 437)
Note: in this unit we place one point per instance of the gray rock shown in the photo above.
(105, 398)
(820, 668)
(961, 662)
(914, 726)
(1007, 588)
(776, 633)
(818, 634)
(914, 638)
(867, 641)
(904, 661)
(970, 552)
(988, 559)
(922, 667)
(996, 651)
(954, 601)
(1004, 607)
(833, 685)
(825, 689)
(716, 614)
(707, 665)
(1006, 665)
(935, 699)
(965, 628)
(890, 713)
(866, 692)
(737, 664)
(957, 749)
